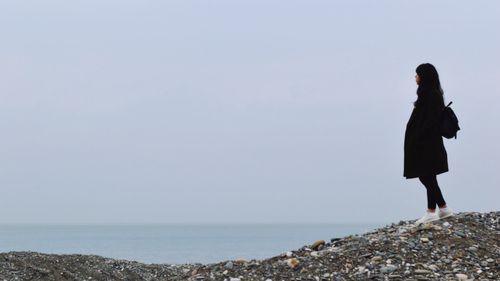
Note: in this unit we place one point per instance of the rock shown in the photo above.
(229, 265)
(424, 239)
(388, 269)
(293, 262)
(461, 277)
(472, 249)
(317, 245)
(335, 240)
(376, 259)
(426, 226)
(433, 267)
(422, 271)
(436, 227)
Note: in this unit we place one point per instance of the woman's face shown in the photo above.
(417, 79)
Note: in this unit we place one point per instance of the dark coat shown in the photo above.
(424, 152)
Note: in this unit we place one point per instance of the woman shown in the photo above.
(424, 153)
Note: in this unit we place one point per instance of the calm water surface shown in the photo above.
(172, 243)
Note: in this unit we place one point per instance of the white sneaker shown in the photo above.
(428, 217)
(445, 212)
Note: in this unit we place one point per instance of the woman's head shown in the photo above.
(428, 76)
(428, 82)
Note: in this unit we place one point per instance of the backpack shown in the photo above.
(449, 123)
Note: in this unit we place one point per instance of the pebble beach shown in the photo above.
(462, 247)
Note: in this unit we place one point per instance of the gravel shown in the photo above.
(461, 247)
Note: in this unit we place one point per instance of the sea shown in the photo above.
(172, 243)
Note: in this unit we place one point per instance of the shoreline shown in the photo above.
(171, 244)
(461, 247)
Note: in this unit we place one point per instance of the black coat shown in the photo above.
(424, 152)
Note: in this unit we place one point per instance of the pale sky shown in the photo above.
(238, 111)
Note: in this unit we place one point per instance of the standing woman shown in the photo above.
(424, 153)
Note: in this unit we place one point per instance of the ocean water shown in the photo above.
(172, 243)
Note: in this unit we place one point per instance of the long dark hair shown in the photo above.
(429, 86)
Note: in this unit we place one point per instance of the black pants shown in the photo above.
(434, 196)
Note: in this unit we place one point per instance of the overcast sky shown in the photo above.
(238, 111)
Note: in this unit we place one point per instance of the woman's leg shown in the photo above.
(434, 195)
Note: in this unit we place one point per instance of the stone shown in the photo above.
(317, 245)
(426, 226)
(461, 277)
(229, 265)
(388, 269)
(292, 263)
(424, 239)
(376, 259)
(433, 267)
(335, 239)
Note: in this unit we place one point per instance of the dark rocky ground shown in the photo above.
(462, 247)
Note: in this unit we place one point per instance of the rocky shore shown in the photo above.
(462, 247)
